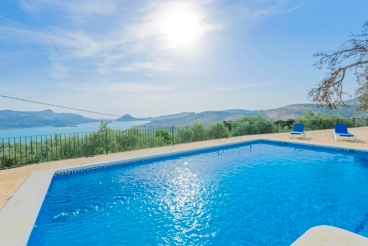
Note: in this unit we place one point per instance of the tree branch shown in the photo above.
(329, 91)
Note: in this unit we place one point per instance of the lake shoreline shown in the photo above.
(52, 130)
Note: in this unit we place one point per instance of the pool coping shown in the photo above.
(21, 211)
(324, 235)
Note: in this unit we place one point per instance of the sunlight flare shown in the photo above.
(181, 25)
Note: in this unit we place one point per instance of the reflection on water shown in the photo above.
(186, 201)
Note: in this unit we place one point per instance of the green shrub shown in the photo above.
(7, 162)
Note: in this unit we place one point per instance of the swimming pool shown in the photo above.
(245, 194)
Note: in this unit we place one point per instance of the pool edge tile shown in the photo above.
(91, 166)
(27, 202)
(328, 235)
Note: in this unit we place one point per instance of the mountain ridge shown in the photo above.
(25, 119)
(128, 117)
(283, 113)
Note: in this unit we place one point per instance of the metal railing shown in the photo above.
(20, 151)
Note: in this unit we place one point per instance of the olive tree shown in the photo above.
(252, 125)
(316, 120)
(218, 130)
(164, 134)
(352, 55)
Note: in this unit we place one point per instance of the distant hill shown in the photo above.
(297, 110)
(286, 112)
(206, 118)
(170, 116)
(240, 111)
(127, 117)
(24, 119)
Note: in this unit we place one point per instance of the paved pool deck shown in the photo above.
(12, 179)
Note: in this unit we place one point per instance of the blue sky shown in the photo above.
(156, 57)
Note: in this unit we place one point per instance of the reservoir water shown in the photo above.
(49, 130)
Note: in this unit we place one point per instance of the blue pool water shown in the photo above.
(251, 194)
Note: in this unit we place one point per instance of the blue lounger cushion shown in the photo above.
(342, 131)
(298, 130)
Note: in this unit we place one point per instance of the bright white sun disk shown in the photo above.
(181, 27)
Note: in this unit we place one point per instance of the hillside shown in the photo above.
(297, 110)
(128, 117)
(170, 116)
(286, 112)
(24, 119)
(241, 111)
(206, 118)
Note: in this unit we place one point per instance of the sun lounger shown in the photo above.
(298, 130)
(341, 130)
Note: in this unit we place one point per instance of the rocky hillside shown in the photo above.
(206, 118)
(287, 112)
(297, 110)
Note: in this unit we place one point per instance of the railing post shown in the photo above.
(82, 151)
(41, 148)
(61, 147)
(64, 152)
(217, 133)
(25, 140)
(9, 148)
(20, 150)
(32, 153)
(47, 157)
(113, 140)
(75, 156)
(9, 152)
(172, 134)
(354, 121)
(3, 147)
(85, 144)
(78, 144)
(107, 144)
(51, 148)
(15, 151)
(56, 147)
(277, 126)
(36, 148)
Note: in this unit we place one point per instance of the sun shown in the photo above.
(181, 25)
